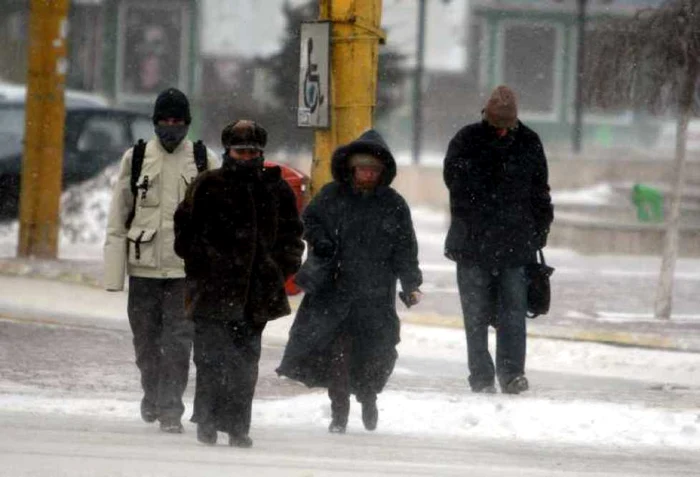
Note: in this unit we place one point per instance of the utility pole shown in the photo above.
(355, 38)
(42, 163)
(580, 68)
(418, 84)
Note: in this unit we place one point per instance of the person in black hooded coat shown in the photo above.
(344, 337)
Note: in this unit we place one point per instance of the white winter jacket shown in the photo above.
(146, 249)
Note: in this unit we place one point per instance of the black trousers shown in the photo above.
(162, 342)
(226, 354)
(499, 298)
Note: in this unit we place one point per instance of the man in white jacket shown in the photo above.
(139, 243)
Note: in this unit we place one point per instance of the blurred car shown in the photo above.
(13, 93)
(95, 137)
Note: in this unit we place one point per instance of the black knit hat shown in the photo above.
(172, 103)
(244, 134)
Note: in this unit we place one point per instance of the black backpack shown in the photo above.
(200, 160)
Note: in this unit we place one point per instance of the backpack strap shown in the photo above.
(138, 153)
(200, 156)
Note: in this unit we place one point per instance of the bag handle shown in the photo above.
(540, 254)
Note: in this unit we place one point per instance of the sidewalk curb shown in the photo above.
(611, 337)
(40, 269)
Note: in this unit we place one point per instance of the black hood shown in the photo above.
(370, 142)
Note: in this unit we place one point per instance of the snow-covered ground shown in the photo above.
(529, 417)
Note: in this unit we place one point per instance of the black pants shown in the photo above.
(497, 297)
(226, 354)
(162, 342)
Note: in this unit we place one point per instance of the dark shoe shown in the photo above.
(240, 440)
(490, 389)
(171, 427)
(370, 414)
(337, 427)
(149, 413)
(206, 433)
(517, 385)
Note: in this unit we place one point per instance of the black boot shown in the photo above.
(206, 433)
(149, 411)
(240, 440)
(340, 409)
(171, 426)
(517, 385)
(370, 414)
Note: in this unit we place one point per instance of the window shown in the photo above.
(141, 129)
(103, 133)
(12, 121)
(529, 59)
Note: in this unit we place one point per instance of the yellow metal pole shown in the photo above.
(355, 38)
(42, 163)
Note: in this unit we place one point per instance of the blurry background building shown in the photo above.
(239, 58)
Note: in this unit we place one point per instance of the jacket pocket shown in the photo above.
(142, 247)
(188, 174)
(148, 188)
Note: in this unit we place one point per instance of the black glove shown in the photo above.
(324, 248)
(540, 239)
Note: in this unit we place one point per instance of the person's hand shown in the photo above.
(541, 239)
(416, 297)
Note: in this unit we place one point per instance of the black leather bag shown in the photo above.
(317, 273)
(538, 287)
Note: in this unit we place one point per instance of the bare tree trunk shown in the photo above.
(664, 292)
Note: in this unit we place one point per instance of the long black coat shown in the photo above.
(239, 232)
(377, 246)
(499, 197)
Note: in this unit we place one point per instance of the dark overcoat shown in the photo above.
(239, 232)
(376, 244)
(500, 204)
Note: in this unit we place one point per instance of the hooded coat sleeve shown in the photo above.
(405, 256)
(115, 248)
(288, 245)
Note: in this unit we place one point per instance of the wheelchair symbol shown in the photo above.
(312, 82)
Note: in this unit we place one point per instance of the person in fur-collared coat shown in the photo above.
(239, 232)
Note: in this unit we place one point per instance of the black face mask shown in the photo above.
(171, 136)
(243, 165)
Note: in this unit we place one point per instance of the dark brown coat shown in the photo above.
(239, 232)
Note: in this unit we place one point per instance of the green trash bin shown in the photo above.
(649, 203)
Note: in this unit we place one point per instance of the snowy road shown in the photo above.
(78, 446)
(69, 406)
